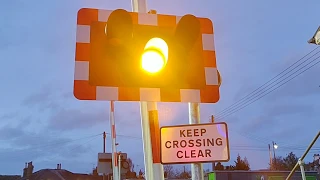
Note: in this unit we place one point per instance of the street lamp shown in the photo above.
(315, 38)
(274, 146)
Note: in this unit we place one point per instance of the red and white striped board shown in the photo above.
(84, 91)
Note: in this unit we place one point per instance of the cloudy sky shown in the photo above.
(41, 121)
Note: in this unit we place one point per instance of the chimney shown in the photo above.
(29, 169)
(58, 166)
(25, 171)
(95, 172)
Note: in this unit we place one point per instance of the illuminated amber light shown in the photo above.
(155, 55)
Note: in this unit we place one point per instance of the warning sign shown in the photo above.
(194, 143)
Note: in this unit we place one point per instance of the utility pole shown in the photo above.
(270, 157)
(104, 149)
(194, 118)
(104, 142)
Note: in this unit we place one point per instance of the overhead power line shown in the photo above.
(284, 146)
(264, 90)
(257, 94)
(261, 87)
(263, 95)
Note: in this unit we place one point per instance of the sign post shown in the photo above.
(153, 168)
(194, 118)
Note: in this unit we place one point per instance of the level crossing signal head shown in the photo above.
(125, 54)
(130, 56)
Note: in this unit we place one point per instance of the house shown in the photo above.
(56, 174)
(8, 177)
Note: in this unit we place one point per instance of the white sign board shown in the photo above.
(194, 143)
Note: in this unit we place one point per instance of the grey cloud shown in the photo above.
(274, 116)
(67, 95)
(293, 56)
(281, 126)
(173, 114)
(17, 119)
(20, 156)
(38, 97)
(8, 133)
(47, 98)
(257, 124)
(9, 115)
(285, 107)
(284, 134)
(306, 84)
(18, 138)
(21, 146)
(289, 109)
(127, 114)
(25, 121)
(70, 119)
(245, 89)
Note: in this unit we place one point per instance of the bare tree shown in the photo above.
(182, 174)
(169, 171)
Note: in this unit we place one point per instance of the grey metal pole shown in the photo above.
(119, 164)
(153, 171)
(194, 118)
(303, 156)
(302, 169)
(213, 165)
(147, 150)
(141, 7)
(104, 150)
